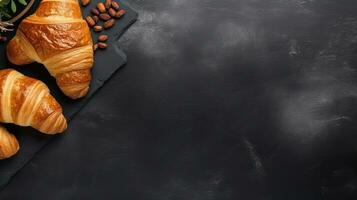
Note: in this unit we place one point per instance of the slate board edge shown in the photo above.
(123, 55)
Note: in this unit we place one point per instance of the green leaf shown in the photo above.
(6, 15)
(4, 2)
(13, 6)
(23, 2)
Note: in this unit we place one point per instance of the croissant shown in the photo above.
(57, 37)
(27, 102)
(8, 144)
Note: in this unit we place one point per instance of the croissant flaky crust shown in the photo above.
(56, 36)
(27, 102)
(9, 145)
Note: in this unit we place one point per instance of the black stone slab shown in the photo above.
(106, 63)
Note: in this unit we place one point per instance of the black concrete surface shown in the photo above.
(229, 99)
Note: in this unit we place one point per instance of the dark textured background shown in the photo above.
(229, 99)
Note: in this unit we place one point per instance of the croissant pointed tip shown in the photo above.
(75, 84)
(15, 52)
(55, 124)
(76, 94)
(9, 146)
(63, 124)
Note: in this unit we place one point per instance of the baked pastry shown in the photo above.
(56, 36)
(27, 102)
(8, 144)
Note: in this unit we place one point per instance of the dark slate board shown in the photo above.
(106, 63)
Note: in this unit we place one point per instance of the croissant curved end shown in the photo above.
(16, 54)
(9, 145)
(75, 91)
(54, 124)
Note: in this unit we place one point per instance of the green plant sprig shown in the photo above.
(9, 7)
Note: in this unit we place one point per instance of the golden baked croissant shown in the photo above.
(8, 144)
(56, 36)
(27, 102)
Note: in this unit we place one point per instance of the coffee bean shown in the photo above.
(90, 21)
(115, 5)
(102, 45)
(102, 38)
(98, 28)
(112, 12)
(94, 11)
(107, 4)
(120, 13)
(95, 18)
(104, 17)
(109, 23)
(85, 2)
(101, 7)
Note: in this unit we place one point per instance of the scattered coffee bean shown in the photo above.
(103, 11)
(112, 12)
(120, 13)
(115, 5)
(102, 45)
(101, 7)
(90, 21)
(107, 4)
(94, 11)
(95, 18)
(104, 17)
(97, 28)
(109, 23)
(95, 47)
(102, 38)
(85, 2)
